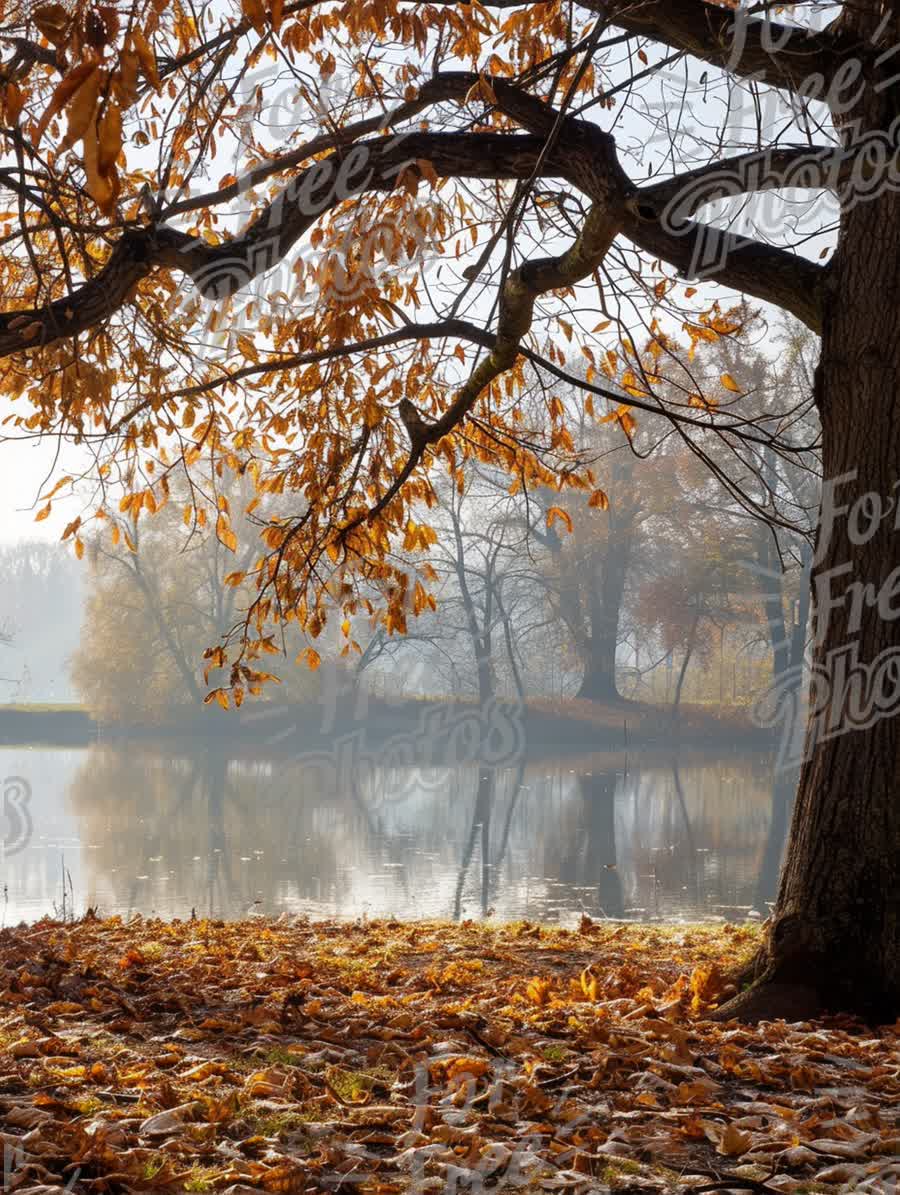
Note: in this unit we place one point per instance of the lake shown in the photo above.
(163, 829)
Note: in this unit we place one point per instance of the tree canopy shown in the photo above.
(303, 242)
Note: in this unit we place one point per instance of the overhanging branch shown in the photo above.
(581, 153)
(784, 56)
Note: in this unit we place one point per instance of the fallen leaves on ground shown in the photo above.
(386, 1057)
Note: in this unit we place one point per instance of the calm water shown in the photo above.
(152, 829)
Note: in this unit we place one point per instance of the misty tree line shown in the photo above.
(689, 575)
(677, 573)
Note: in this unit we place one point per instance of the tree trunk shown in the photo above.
(834, 940)
(599, 681)
(688, 652)
(485, 667)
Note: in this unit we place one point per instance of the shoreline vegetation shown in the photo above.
(388, 1057)
(568, 726)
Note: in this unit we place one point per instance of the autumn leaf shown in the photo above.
(310, 657)
(557, 512)
(53, 20)
(13, 103)
(110, 138)
(98, 184)
(225, 533)
(147, 58)
(82, 107)
(255, 13)
(538, 990)
(734, 1142)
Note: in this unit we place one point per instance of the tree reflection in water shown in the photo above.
(173, 830)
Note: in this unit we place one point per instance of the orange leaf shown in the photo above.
(98, 185)
(224, 533)
(255, 13)
(53, 21)
(14, 101)
(312, 658)
(147, 59)
(62, 94)
(82, 107)
(110, 138)
(557, 512)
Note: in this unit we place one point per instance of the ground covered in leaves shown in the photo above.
(386, 1057)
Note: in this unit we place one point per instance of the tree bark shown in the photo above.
(599, 680)
(834, 940)
(606, 596)
(688, 652)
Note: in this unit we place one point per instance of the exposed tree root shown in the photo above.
(769, 1000)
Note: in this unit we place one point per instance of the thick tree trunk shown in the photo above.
(834, 941)
(599, 681)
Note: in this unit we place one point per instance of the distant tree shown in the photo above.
(701, 594)
(158, 593)
(787, 486)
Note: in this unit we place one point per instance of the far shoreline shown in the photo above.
(573, 727)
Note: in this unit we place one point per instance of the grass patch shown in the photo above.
(277, 1124)
(44, 707)
(352, 1086)
(201, 1179)
(281, 1056)
(152, 1167)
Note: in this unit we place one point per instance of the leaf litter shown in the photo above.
(384, 1057)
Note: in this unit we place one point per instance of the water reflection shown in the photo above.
(157, 829)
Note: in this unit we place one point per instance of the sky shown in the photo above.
(23, 467)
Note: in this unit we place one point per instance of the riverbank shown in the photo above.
(390, 1057)
(427, 729)
(45, 723)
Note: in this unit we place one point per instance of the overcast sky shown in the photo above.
(23, 467)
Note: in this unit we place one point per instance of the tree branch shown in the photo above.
(582, 154)
(774, 275)
(785, 56)
(798, 167)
